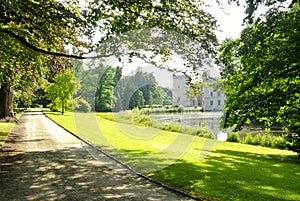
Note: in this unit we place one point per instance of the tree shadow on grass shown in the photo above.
(232, 175)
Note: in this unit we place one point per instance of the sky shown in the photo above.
(230, 21)
(230, 25)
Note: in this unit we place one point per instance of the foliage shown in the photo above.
(89, 79)
(263, 78)
(81, 105)
(251, 7)
(233, 137)
(194, 91)
(248, 139)
(142, 118)
(60, 92)
(138, 90)
(293, 142)
(172, 126)
(168, 96)
(266, 140)
(51, 19)
(27, 29)
(21, 70)
(137, 100)
(104, 96)
(30, 31)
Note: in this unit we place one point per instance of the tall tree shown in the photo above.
(137, 100)
(104, 97)
(27, 30)
(262, 78)
(89, 79)
(117, 90)
(60, 92)
(130, 88)
(20, 68)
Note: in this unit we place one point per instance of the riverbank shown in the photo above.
(199, 166)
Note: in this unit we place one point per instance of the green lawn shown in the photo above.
(4, 130)
(199, 166)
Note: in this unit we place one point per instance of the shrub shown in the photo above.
(165, 127)
(139, 119)
(188, 130)
(293, 142)
(266, 140)
(248, 139)
(233, 137)
(174, 126)
(55, 106)
(202, 131)
(81, 105)
(279, 142)
(257, 139)
(135, 111)
(145, 111)
(209, 135)
(142, 120)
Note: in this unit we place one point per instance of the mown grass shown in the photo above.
(207, 169)
(5, 128)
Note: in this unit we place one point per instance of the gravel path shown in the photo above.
(41, 161)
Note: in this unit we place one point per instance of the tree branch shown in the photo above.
(27, 44)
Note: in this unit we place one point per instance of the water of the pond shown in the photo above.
(196, 119)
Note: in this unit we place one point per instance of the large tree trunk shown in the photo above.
(6, 101)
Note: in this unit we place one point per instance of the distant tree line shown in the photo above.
(105, 89)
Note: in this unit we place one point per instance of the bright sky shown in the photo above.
(230, 21)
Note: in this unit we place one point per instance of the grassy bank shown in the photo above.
(205, 168)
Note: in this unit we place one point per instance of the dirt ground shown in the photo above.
(41, 161)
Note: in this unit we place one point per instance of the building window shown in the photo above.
(211, 94)
(211, 102)
(219, 94)
(219, 102)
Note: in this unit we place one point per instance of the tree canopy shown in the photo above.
(60, 92)
(104, 97)
(33, 30)
(262, 76)
(252, 7)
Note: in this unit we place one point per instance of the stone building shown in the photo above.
(209, 99)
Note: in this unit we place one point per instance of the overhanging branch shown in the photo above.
(27, 44)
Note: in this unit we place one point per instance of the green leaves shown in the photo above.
(262, 76)
(60, 92)
(104, 97)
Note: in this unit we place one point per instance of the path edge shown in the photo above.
(125, 165)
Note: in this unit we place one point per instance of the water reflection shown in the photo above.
(195, 119)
